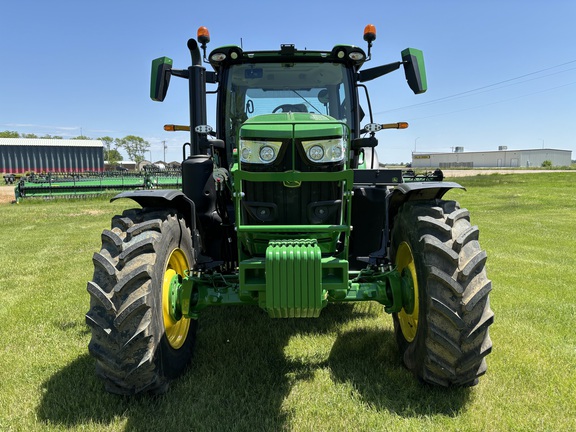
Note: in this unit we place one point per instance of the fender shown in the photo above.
(418, 191)
(163, 199)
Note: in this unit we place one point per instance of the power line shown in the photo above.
(494, 103)
(484, 87)
(521, 82)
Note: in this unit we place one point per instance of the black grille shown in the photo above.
(280, 203)
(273, 203)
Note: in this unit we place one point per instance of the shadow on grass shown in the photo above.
(239, 378)
(369, 360)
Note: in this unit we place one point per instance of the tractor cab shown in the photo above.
(254, 83)
(287, 81)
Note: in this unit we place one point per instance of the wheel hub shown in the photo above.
(176, 327)
(174, 296)
(408, 316)
(407, 286)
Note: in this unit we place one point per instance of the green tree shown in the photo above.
(9, 134)
(107, 141)
(111, 155)
(81, 137)
(547, 164)
(135, 146)
(30, 135)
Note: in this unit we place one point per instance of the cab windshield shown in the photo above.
(264, 88)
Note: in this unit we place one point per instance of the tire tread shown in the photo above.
(125, 339)
(452, 339)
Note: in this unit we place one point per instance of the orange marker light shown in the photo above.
(174, 128)
(399, 125)
(203, 35)
(370, 33)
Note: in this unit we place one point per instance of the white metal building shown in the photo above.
(489, 159)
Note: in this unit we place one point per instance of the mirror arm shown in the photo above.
(182, 73)
(211, 77)
(370, 74)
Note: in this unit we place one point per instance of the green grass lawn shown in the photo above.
(337, 373)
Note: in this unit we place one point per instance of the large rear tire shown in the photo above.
(442, 333)
(137, 345)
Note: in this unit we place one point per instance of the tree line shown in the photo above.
(134, 146)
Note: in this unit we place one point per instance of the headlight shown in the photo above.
(322, 151)
(315, 153)
(267, 154)
(259, 152)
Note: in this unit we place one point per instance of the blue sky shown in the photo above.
(499, 72)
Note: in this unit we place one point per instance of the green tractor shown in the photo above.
(285, 207)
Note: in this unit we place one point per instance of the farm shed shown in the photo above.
(488, 159)
(20, 155)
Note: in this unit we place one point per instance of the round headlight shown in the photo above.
(245, 153)
(316, 153)
(267, 153)
(337, 152)
(218, 57)
(356, 56)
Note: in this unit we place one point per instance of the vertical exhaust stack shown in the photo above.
(197, 91)
(197, 182)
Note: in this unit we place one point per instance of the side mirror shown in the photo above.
(160, 78)
(413, 61)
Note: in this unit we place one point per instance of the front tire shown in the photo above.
(137, 345)
(442, 331)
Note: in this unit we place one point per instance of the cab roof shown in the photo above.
(225, 56)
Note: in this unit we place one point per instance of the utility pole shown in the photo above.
(415, 144)
(165, 146)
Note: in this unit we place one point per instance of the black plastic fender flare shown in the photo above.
(162, 199)
(418, 191)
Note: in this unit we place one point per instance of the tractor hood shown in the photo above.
(292, 125)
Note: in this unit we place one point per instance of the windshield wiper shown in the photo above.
(306, 100)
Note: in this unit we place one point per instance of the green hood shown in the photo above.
(291, 125)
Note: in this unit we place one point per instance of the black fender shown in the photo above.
(164, 198)
(417, 191)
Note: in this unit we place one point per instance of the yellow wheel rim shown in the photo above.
(408, 321)
(176, 330)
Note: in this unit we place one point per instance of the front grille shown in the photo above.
(274, 203)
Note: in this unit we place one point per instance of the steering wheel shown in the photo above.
(290, 108)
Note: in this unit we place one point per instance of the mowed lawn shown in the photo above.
(340, 372)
